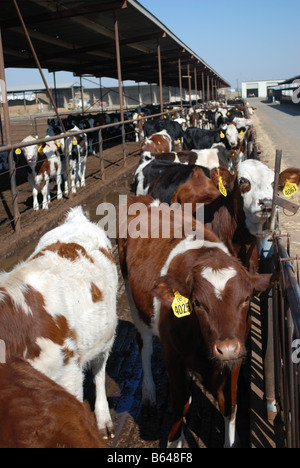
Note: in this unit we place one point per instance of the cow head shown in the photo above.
(255, 182)
(30, 152)
(219, 290)
(229, 131)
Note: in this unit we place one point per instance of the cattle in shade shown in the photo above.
(195, 296)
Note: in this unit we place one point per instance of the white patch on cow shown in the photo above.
(207, 158)
(261, 179)
(139, 175)
(15, 287)
(155, 203)
(218, 278)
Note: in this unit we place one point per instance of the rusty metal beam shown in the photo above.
(38, 64)
(11, 163)
(63, 14)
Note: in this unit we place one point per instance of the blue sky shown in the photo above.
(241, 40)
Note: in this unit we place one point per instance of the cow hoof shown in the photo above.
(148, 410)
(108, 432)
(178, 443)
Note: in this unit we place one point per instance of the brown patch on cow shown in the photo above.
(108, 254)
(70, 251)
(42, 164)
(97, 295)
(20, 330)
(291, 174)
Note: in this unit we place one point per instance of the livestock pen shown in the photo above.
(124, 367)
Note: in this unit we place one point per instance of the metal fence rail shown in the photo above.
(286, 310)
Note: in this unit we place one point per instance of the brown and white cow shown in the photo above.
(58, 308)
(195, 296)
(35, 412)
(160, 142)
(44, 164)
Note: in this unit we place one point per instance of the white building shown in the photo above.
(258, 88)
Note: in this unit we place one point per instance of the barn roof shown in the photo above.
(79, 36)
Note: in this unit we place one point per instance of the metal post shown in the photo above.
(208, 92)
(196, 85)
(38, 65)
(117, 40)
(180, 79)
(277, 172)
(100, 137)
(160, 77)
(11, 163)
(82, 96)
(190, 83)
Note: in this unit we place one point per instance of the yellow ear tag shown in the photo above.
(222, 187)
(178, 141)
(222, 135)
(18, 151)
(41, 149)
(242, 132)
(289, 189)
(75, 142)
(181, 305)
(57, 144)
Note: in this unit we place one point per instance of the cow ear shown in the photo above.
(162, 291)
(261, 282)
(292, 175)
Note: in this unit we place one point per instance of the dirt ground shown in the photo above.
(36, 223)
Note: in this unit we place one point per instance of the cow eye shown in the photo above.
(247, 299)
(196, 303)
(243, 181)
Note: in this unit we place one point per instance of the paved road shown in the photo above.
(282, 124)
(278, 127)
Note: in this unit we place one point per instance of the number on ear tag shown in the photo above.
(222, 187)
(181, 305)
(289, 189)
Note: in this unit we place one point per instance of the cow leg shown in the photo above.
(145, 338)
(58, 183)
(227, 399)
(180, 397)
(46, 195)
(102, 412)
(35, 199)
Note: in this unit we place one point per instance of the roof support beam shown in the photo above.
(68, 13)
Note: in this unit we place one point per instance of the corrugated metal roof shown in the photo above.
(78, 36)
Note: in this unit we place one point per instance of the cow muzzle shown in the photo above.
(228, 350)
(265, 206)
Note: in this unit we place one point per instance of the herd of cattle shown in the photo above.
(58, 309)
